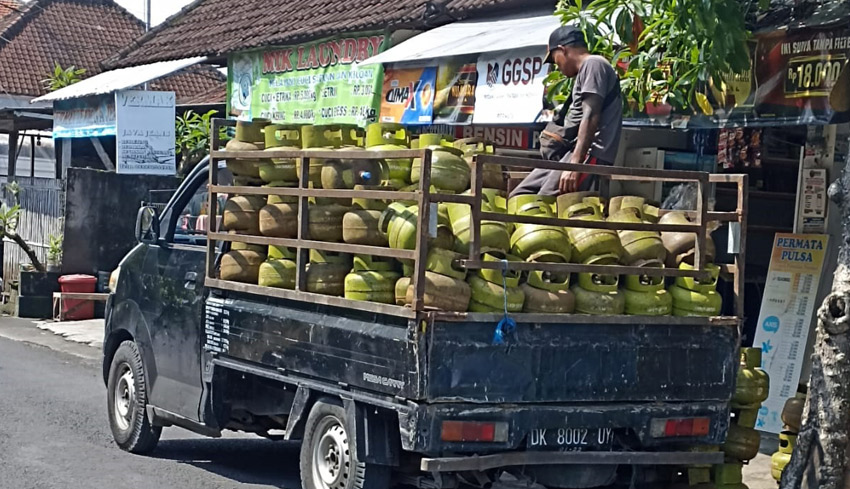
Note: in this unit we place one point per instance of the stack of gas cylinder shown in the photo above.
(792, 418)
(595, 294)
(375, 222)
(742, 439)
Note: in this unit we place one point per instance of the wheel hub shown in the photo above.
(125, 397)
(332, 456)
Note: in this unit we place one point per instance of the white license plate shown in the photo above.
(576, 439)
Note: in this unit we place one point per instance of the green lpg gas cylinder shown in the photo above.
(371, 286)
(741, 443)
(382, 136)
(692, 297)
(493, 234)
(490, 297)
(443, 292)
(548, 292)
(493, 176)
(281, 137)
(780, 459)
(449, 171)
(752, 383)
(645, 296)
(278, 273)
(529, 239)
(640, 248)
(598, 295)
(399, 224)
(588, 243)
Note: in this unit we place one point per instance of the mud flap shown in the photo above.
(376, 433)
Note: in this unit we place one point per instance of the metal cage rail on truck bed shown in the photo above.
(427, 201)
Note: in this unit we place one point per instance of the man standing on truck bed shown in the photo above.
(587, 129)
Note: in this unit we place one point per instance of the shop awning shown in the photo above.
(120, 79)
(473, 37)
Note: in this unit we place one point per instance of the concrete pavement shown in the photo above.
(88, 332)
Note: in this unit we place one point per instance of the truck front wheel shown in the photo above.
(329, 460)
(126, 401)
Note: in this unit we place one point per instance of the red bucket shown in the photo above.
(76, 309)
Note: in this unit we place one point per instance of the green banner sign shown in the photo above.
(313, 83)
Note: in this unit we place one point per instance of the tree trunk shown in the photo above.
(820, 459)
(28, 250)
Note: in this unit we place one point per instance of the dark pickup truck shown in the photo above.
(415, 397)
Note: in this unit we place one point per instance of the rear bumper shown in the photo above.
(487, 462)
(421, 426)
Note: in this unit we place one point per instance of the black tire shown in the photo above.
(126, 400)
(326, 430)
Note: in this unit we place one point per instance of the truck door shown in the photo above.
(173, 274)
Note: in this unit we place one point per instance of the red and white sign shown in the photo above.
(510, 86)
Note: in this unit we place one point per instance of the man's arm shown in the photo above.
(591, 113)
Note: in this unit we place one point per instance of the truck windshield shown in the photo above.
(192, 225)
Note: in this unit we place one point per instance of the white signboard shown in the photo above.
(510, 86)
(813, 200)
(786, 317)
(145, 141)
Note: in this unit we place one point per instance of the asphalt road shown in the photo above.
(54, 431)
(54, 434)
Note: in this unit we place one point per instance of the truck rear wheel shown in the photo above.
(127, 398)
(329, 459)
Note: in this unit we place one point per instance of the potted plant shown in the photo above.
(54, 253)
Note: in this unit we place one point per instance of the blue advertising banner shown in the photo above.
(84, 117)
(408, 95)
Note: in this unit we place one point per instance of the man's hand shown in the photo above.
(568, 182)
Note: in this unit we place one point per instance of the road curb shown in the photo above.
(27, 331)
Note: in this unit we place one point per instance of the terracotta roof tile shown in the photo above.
(80, 33)
(8, 7)
(195, 86)
(216, 27)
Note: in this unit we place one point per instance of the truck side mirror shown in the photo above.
(147, 225)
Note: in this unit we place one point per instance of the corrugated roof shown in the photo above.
(474, 36)
(119, 79)
(216, 27)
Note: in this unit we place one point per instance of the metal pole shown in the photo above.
(147, 15)
(147, 27)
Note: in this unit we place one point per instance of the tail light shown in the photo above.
(471, 431)
(678, 427)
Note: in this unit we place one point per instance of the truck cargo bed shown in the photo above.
(433, 360)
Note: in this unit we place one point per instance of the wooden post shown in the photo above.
(475, 210)
(104, 157)
(13, 156)
(212, 204)
(302, 259)
(701, 214)
(741, 257)
(66, 156)
(422, 233)
(32, 156)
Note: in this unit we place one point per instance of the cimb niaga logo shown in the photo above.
(517, 71)
(492, 74)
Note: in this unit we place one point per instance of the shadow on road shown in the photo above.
(247, 461)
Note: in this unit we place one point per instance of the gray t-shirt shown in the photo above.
(597, 76)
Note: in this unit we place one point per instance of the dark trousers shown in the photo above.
(545, 182)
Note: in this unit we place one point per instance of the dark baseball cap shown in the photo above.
(566, 35)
